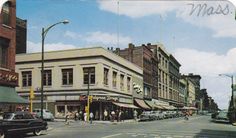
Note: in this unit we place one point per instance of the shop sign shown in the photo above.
(112, 98)
(8, 78)
(99, 98)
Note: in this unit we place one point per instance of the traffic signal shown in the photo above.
(32, 93)
(90, 99)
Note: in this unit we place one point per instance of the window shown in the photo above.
(114, 78)
(128, 83)
(6, 14)
(122, 82)
(26, 78)
(4, 43)
(91, 72)
(67, 76)
(47, 78)
(105, 77)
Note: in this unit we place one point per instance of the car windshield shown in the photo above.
(8, 116)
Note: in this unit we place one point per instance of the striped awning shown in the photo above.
(142, 104)
(125, 105)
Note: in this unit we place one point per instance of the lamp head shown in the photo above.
(65, 22)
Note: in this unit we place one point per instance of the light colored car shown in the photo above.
(222, 116)
(159, 115)
(47, 115)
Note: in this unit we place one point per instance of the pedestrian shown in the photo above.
(80, 115)
(85, 117)
(91, 117)
(76, 115)
(135, 115)
(105, 115)
(119, 116)
(67, 118)
(113, 115)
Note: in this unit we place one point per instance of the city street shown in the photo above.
(196, 126)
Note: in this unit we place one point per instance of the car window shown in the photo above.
(18, 116)
(7, 116)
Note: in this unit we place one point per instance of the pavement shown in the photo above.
(195, 127)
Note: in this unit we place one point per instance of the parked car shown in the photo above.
(47, 115)
(145, 116)
(21, 122)
(159, 115)
(222, 116)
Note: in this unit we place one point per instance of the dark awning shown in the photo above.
(142, 104)
(9, 95)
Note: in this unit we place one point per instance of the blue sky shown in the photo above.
(204, 45)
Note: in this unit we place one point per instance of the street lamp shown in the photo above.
(232, 84)
(44, 33)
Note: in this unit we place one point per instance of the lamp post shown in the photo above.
(232, 87)
(44, 33)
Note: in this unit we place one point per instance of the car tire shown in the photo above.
(37, 132)
(2, 134)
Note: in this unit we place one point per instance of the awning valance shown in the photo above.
(9, 95)
(153, 105)
(125, 105)
(142, 104)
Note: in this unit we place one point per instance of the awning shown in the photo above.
(142, 104)
(125, 105)
(9, 95)
(153, 105)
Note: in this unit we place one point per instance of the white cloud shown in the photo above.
(100, 38)
(209, 65)
(37, 47)
(107, 38)
(222, 25)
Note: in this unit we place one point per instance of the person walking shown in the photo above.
(113, 115)
(80, 115)
(91, 117)
(85, 117)
(135, 115)
(105, 115)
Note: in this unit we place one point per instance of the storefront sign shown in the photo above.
(8, 78)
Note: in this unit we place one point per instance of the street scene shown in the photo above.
(117, 69)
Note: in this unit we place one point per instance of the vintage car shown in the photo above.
(21, 122)
(47, 115)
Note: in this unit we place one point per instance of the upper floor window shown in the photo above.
(128, 83)
(4, 44)
(6, 13)
(26, 78)
(122, 82)
(89, 74)
(105, 76)
(47, 78)
(114, 79)
(67, 76)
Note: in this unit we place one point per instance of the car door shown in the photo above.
(16, 125)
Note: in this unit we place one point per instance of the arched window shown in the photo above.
(6, 13)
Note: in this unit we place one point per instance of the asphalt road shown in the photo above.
(197, 126)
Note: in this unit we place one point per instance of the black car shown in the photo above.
(21, 122)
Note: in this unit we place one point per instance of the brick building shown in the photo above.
(21, 35)
(8, 76)
(147, 60)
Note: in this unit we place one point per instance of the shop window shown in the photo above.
(6, 14)
(4, 44)
(47, 78)
(89, 72)
(128, 83)
(114, 79)
(105, 76)
(122, 82)
(26, 78)
(67, 76)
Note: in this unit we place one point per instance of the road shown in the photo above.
(197, 126)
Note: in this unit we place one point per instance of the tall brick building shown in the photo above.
(146, 59)
(8, 76)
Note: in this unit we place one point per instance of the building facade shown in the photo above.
(8, 77)
(114, 81)
(191, 99)
(147, 60)
(174, 77)
(183, 92)
(21, 35)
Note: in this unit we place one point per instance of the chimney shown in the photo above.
(131, 46)
(149, 44)
(111, 48)
(108, 48)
